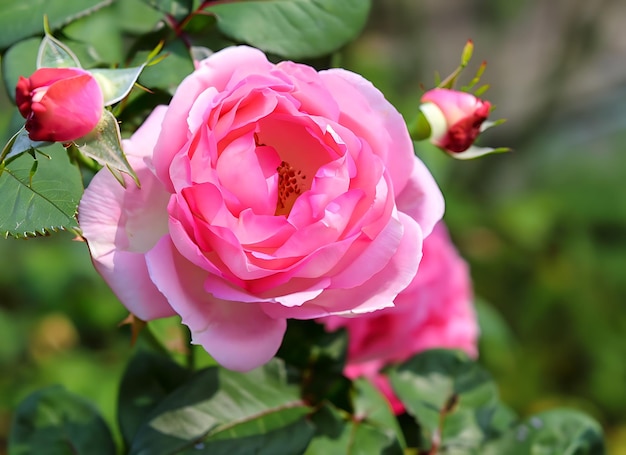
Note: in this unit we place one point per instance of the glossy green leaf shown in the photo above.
(24, 18)
(292, 28)
(104, 144)
(554, 432)
(54, 421)
(148, 379)
(452, 398)
(40, 203)
(339, 433)
(217, 405)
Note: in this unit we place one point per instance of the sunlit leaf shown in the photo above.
(339, 433)
(218, 405)
(452, 398)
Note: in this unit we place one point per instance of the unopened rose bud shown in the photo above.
(455, 118)
(59, 104)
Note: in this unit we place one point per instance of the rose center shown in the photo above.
(291, 183)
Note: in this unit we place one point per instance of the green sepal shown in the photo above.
(116, 83)
(420, 129)
(18, 144)
(54, 54)
(104, 144)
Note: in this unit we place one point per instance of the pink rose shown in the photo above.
(269, 191)
(59, 104)
(456, 118)
(434, 311)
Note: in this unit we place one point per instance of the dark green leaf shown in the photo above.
(104, 144)
(24, 18)
(451, 397)
(217, 404)
(54, 421)
(148, 379)
(291, 439)
(293, 28)
(19, 60)
(554, 432)
(339, 433)
(45, 204)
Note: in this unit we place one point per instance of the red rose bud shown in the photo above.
(59, 104)
(455, 118)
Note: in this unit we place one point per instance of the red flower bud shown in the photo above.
(59, 104)
(455, 118)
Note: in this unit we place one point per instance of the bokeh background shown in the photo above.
(543, 227)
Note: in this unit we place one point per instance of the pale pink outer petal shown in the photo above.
(120, 225)
(371, 116)
(421, 198)
(240, 336)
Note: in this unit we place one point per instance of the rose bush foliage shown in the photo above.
(434, 311)
(268, 192)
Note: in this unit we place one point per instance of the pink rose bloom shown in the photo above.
(435, 311)
(456, 119)
(268, 192)
(59, 104)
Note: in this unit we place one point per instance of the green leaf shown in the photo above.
(54, 54)
(372, 406)
(24, 18)
(149, 377)
(291, 439)
(116, 83)
(217, 405)
(340, 433)
(56, 422)
(293, 28)
(19, 60)
(554, 432)
(44, 203)
(453, 400)
(104, 144)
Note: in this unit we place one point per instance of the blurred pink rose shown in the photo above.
(59, 104)
(435, 311)
(268, 192)
(455, 118)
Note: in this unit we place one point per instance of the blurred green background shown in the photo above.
(543, 227)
